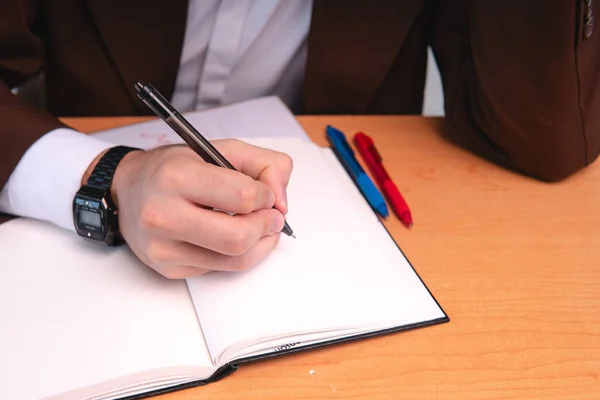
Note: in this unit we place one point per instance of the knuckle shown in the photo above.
(247, 195)
(170, 175)
(151, 217)
(285, 162)
(236, 243)
(157, 252)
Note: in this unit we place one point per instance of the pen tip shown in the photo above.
(293, 235)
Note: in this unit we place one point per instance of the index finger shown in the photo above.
(269, 166)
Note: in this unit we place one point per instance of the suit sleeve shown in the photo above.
(21, 57)
(38, 154)
(522, 82)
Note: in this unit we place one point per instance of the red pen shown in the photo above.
(369, 153)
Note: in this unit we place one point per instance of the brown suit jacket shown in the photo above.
(521, 77)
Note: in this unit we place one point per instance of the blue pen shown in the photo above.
(345, 154)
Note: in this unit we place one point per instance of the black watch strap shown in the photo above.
(103, 173)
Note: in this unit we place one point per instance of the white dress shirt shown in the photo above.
(233, 50)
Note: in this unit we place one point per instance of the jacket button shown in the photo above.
(589, 27)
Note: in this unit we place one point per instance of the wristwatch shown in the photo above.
(94, 212)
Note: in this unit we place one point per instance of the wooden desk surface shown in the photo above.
(514, 262)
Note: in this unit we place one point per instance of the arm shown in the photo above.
(34, 163)
(21, 57)
(165, 196)
(45, 180)
(522, 83)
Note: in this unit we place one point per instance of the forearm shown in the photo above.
(21, 125)
(41, 161)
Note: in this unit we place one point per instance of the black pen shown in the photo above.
(161, 107)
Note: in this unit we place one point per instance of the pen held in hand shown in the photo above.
(162, 108)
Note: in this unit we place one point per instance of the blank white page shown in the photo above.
(342, 271)
(73, 314)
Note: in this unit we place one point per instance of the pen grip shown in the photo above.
(200, 145)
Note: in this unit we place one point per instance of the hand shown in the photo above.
(166, 197)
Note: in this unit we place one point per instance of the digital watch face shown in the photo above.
(89, 214)
(90, 219)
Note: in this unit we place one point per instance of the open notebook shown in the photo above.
(79, 321)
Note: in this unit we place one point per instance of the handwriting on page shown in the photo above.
(156, 139)
(285, 347)
(241, 121)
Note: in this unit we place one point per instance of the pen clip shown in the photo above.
(347, 147)
(337, 137)
(367, 147)
(342, 148)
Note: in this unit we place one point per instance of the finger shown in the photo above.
(271, 167)
(181, 271)
(226, 189)
(198, 261)
(218, 231)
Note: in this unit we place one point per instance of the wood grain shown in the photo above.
(514, 262)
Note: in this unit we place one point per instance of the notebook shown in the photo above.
(80, 321)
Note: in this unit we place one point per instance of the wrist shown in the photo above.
(90, 168)
(95, 212)
(120, 172)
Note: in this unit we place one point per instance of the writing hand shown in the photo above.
(166, 197)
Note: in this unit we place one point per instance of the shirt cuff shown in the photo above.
(43, 184)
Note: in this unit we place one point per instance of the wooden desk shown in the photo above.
(514, 262)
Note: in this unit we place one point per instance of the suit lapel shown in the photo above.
(351, 47)
(143, 41)
(348, 57)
